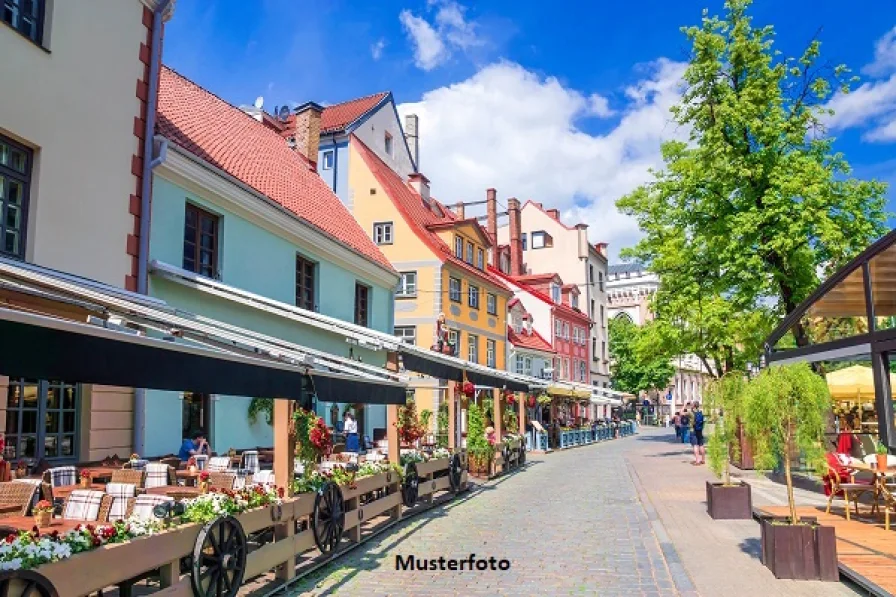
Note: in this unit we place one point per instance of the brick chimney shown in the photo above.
(491, 201)
(582, 231)
(516, 242)
(459, 210)
(554, 213)
(420, 184)
(307, 119)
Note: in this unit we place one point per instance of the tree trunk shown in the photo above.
(788, 445)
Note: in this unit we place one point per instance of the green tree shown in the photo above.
(478, 447)
(723, 403)
(756, 201)
(785, 413)
(634, 367)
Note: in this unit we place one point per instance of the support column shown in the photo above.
(392, 438)
(496, 412)
(521, 413)
(453, 414)
(284, 471)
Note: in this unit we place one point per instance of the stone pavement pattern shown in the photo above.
(576, 522)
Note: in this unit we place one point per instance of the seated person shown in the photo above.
(194, 446)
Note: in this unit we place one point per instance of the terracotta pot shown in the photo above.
(42, 519)
(193, 468)
(85, 482)
(881, 462)
(203, 487)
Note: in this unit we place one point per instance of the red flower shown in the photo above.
(10, 538)
(85, 473)
(203, 476)
(91, 528)
(281, 491)
(469, 389)
(96, 542)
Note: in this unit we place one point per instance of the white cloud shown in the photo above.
(884, 56)
(376, 49)
(509, 128)
(873, 104)
(429, 50)
(434, 42)
(599, 105)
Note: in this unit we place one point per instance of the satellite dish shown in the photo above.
(259, 102)
(284, 112)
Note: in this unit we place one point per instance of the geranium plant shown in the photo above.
(409, 427)
(313, 438)
(86, 474)
(469, 389)
(43, 506)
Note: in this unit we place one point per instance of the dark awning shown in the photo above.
(36, 346)
(444, 370)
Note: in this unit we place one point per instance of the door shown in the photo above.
(42, 420)
(196, 414)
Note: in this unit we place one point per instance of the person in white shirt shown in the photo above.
(350, 428)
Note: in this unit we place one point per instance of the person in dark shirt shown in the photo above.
(193, 446)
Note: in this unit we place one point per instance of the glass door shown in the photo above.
(196, 409)
(42, 420)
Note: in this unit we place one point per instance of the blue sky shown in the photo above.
(565, 106)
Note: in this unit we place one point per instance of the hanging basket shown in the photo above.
(531, 401)
(469, 389)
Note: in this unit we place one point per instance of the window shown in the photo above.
(602, 323)
(574, 300)
(26, 17)
(473, 348)
(453, 339)
(470, 253)
(305, 283)
(603, 350)
(558, 329)
(408, 285)
(42, 420)
(387, 141)
(527, 366)
(504, 263)
(566, 330)
(15, 178)
(407, 333)
(473, 297)
(540, 240)
(523, 238)
(555, 293)
(327, 162)
(382, 233)
(454, 289)
(566, 369)
(594, 349)
(458, 247)
(195, 413)
(600, 281)
(590, 274)
(592, 309)
(490, 353)
(201, 242)
(581, 370)
(362, 304)
(480, 258)
(519, 364)
(491, 304)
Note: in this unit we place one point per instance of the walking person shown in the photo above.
(697, 435)
(676, 421)
(685, 422)
(350, 428)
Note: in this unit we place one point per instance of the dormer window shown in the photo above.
(555, 293)
(470, 253)
(458, 247)
(541, 240)
(574, 300)
(480, 259)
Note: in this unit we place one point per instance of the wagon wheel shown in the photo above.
(454, 472)
(25, 583)
(522, 456)
(328, 518)
(505, 455)
(409, 488)
(219, 558)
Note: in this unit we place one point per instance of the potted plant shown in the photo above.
(21, 469)
(882, 453)
(723, 405)
(85, 478)
(531, 401)
(479, 451)
(43, 513)
(785, 411)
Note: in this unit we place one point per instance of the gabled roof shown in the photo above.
(420, 216)
(533, 341)
(536, 278)
(339, 116)
(484, 237)
(559, 308)
(541, 208)
(634, 267)
(231, 140)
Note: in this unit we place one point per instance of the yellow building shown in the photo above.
(443, 260)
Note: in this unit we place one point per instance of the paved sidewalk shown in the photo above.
(721, 557)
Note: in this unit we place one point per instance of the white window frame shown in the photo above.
(523, 239)
(518, 368)
(401, 331)
(473, 348)
(470, 253)
(407, 288)
(527, 365)
(555, 293)
(490, 353)
(454, 337)
(459, 247)
(491, 304)
(574, 300)
(472, 296)
(566, 330)
(383, 233)
(326, 162)
(558, 329)
(453, 296)
(480, 259)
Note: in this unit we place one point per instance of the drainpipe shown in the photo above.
(155, 61)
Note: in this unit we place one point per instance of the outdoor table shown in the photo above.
(26, 523)
(880, 477)
(178, 492)
(63, 491)
(102, 472)
(9, 508)
(189, 477)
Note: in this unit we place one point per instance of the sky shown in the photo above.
(567, 107)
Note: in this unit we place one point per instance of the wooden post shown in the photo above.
(453, 428)
(496, 416)
(284, 471)
(521, 413)
(392, 433)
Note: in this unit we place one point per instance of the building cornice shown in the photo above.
(154, 4)
(216, 186)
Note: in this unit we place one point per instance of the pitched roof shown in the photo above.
(420, 216)
(533, 341)
(210, 128)
(541, 208)
(558, 307)
(634, 267)
(338, 116)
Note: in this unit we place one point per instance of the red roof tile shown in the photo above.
(210, 128)
(533, 341)
(558, 307)
(418, 215)
(339, 116)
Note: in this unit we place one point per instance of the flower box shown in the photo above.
(729, 502)
(433, 466)
(805, 551)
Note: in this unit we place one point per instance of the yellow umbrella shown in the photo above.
(854, 383)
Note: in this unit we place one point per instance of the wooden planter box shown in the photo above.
(799, 552)
(744, 461)
(729, 502)
(433, 466)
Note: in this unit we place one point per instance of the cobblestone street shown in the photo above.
(577, 522)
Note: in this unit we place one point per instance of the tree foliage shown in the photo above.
(477, 445)
(756, 201)
(785, 413)
(635, 366)
(723, 402)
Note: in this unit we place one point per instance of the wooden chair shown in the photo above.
(849, 490)
(87, 505)
(134, 477)
(220, 480)
(17, 494)
(172, 461)
(885, 494)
